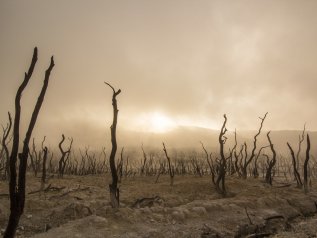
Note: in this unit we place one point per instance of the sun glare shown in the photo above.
(155, 122)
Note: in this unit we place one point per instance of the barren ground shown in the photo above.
(191, 208)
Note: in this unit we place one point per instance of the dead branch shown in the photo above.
(113, 187)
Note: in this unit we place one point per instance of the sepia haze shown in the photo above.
(179, 64)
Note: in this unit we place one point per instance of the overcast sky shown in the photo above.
(186, 61)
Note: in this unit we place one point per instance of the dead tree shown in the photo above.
(209, 160)
(222, 168)
(238, 161)
(44, 165)
(17, 188)
(35, 159)
(295, 171)
(64, 157)
(248, 161)
(6, 132)
(144, 161)
(113, 187)
(306, 165)
(233, 168)
(170, 167)
(161, 170)
(44, 150)
(271, 163)
(255, 169)
(301, 139)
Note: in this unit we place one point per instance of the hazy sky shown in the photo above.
(176, 62)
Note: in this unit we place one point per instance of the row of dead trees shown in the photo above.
(67, 161)
(155, 163)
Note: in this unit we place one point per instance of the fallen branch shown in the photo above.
(274, 217)
(69, 191)
(246, 211)
(259, 235)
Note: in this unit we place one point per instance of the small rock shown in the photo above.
(29, 216)
(199, 211)
(146, 210)
(178, 216)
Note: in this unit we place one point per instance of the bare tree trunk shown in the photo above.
(170, 167)
(306, 164)
(295, 171)
(248, 161)
(64, 156)
(6, 133)
(220, 181)
(144, 161)
(113, 187)
(271, 164)
(255, 169)
(17, 190)
(301, 138)
(44, 165)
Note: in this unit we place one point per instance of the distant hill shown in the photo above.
(180, 138)
(190, 137)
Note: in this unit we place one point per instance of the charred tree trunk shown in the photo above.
(44, 151)
(170, 167)
(255, 169)
(113, 187)
(143, 162)
(64, 157)
(222, 168)
(271, 163)
(34, 158)
(301, 139)
(248, 161)
(6, 133)
(295, 171)
(44, 165)
(306, 165)
(17, 188)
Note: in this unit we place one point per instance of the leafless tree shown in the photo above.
(295, 171)
(64, 156)
(271, 163)
(113, 187)
(306, 164)
(17, 188)
(6, 133)
(170, 167)
(222, 165)
(144, 161)
(301, 139)
(35, 158)
(247, 161)
(45, 153)
(255, 168)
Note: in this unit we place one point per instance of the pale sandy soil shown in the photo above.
(191, 208)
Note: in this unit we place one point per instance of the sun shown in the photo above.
(156, 122)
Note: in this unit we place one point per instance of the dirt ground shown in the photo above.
(79, 207)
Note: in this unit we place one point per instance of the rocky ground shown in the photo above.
(79, 207)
